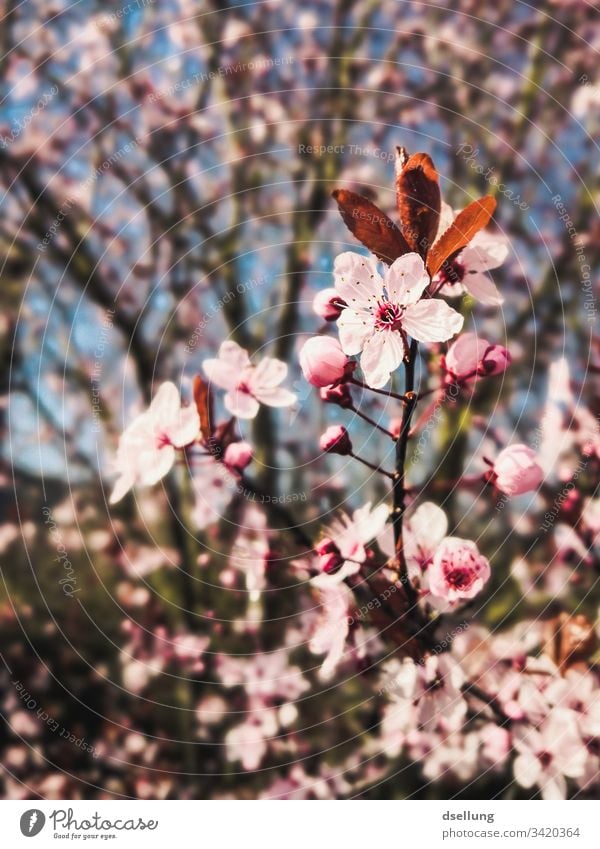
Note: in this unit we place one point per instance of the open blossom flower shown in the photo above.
(248, 385)
(458, 570)
(516, 470)
(448, 567)
(468, 271)
(383, 312)
(351, 535)
(322, 361)
(549, 754)
(470, 357)
(147, 447)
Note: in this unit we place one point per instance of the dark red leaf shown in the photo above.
(467, 223)
(419, 200)
(371, 226)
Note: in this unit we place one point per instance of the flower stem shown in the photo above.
(372, 422)
(388, 394)
(372, 466)
(399, 477)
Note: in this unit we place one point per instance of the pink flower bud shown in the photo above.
(322, 361)
(458, 570)
(339, 395)
(328, 304)
(238, 455)
(463, 356)
(335, 440)
(495, 361)
(470, 357)
(516, 470)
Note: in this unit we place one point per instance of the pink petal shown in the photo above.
(406, 279)
(431, 320)
(354, 328)
(241, 404)
(357, 279)
(382, 354)
(481, 287)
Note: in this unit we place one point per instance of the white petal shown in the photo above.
(121, 487)
(406, 279)
(222, 374)
(428, 524)
(484, 252)
(354, 327)
(382, 354)
(369, 523)
(268, 373)
(235, 356)
(527, 769)
(186, 428)
(166, 403)
(154, 464)
(481, 287)
(275, 397)
(357, 280)
(431, 320)
(241, 404)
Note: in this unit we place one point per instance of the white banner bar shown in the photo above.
(292, 825)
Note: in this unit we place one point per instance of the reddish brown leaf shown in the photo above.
(371, 226)
(202, 400)
(467, 223)
(419, 200)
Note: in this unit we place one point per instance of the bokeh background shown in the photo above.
(166, 171)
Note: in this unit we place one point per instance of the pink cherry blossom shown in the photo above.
(147, 447)
(351, 535)
(466, 273)
(247, 386)
(335, 440)
(546, 757)
(383, 312)
(328, 305)
(458, 570)
(516, 470)
(322, 361)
